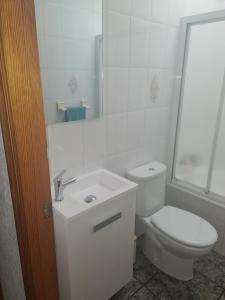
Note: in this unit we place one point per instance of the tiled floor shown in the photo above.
(151, 284)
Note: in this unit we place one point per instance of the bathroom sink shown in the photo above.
(94, 236)
(91, 190)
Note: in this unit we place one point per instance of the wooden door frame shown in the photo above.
(24, 135)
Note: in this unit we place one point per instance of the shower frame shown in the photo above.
(185, 26)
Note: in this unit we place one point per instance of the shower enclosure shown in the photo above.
(198, 148)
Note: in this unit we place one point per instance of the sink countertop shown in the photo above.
(101, 183)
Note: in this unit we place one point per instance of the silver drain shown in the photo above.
(90, 198)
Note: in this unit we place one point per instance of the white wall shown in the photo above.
(140, 45)
(10, 268)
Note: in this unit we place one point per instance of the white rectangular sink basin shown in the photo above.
(99, 186)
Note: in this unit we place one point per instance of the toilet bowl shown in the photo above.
(173, 243)
(173, 237)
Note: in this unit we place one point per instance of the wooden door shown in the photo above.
(24, 134)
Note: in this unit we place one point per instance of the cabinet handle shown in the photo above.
(107, 222)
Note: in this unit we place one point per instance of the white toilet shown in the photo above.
(173, 237)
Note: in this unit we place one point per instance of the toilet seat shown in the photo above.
(184, 227)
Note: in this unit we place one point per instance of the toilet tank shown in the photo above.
(151, 179)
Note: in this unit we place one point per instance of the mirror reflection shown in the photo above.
(70, 49)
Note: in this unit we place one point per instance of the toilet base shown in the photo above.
(179, 268)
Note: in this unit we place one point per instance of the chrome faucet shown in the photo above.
(60, 185)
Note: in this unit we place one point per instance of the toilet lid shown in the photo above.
(184, 227)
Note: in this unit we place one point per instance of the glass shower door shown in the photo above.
(218, 175)
(203, 78)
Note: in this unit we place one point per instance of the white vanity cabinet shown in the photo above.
(95, 249)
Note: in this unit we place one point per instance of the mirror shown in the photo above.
(70, 46)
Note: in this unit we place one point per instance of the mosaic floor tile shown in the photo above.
(143, 269)
(199, 288)
(150, 283)
(127, 291)
(222, 297)
(143, 294)
(213, 267)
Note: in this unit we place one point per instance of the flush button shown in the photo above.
(151, 169)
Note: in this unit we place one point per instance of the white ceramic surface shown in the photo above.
(184, 227)
(151, 193)
(173, 237)
(95, 242)
(103, 184)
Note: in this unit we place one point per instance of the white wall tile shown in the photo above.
(117, 40)
(54, 52)
(138, 157)
(138, 89)
(140, 31)
(158, 43)
(42, 51)
(123, 7)
(68, 148)
(82, 28)
(94, 141)
(117, 163)
(141, 8)
(116, 89)
(84, 55)
(177, 11)
(39, 16)
(44, 83)
(55, 84)
(172, 48)
(116, 134)
(135, 129)
(157, 124)
(52, 19)
(160, 10)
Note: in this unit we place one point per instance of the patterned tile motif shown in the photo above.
(143, 294)
(213, 267)
(200, 288)
(150, 283)
(143, 269)
(128, 290)
(222, 297)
